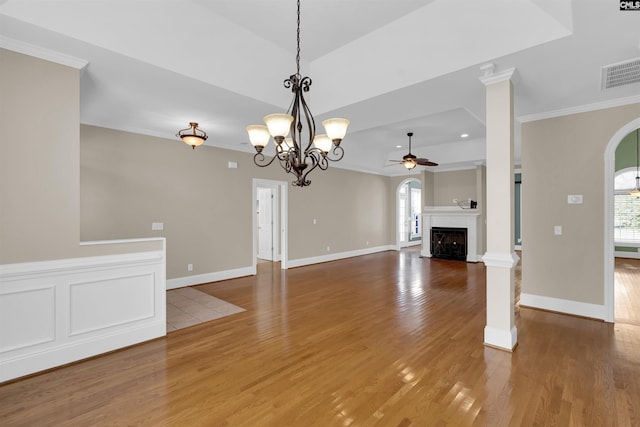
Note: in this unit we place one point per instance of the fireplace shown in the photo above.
(449, 243)
(468, 220)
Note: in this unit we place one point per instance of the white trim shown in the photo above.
(580, 109)
(559, 305)
(452, 208)
(42, 53)
(502, 260)
(339, 255)
(119, 241)
(216, 276)
(500, 338)
(63, 266)
(609, 192)
(624, 254)
(498, 77)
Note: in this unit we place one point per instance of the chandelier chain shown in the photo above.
(298, 42)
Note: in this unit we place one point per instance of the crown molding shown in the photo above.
(42, 53)
(580, 109)
(490, 77)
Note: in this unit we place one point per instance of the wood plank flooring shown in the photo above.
(387, 339)
(627, 291)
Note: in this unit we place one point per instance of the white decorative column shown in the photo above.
(500, 258)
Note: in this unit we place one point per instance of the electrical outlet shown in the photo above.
(328, 248)
(156, 226)
(189, 267)
(455, 200)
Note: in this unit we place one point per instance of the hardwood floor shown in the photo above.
(387, 339)
(627, 291)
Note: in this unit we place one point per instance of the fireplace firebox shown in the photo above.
(449, 243)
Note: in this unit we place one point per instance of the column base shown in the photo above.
(500, 338)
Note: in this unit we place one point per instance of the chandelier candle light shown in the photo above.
(319, 150)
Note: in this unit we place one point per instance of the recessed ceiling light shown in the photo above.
(464, 135)
(398, 146)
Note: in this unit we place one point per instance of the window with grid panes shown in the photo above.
(626, 208)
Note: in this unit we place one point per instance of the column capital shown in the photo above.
(503, 260)
(490, 77)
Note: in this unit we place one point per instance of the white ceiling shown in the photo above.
(390, 66)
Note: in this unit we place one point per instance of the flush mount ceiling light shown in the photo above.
(192, 135)
(636, 191)
(319, 149)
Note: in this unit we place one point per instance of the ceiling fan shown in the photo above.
(410, 161)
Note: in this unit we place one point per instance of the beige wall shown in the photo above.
(428, 189)
(39, 163)
(39, 159)
(449, 185)
(563, 156)
(129, 181)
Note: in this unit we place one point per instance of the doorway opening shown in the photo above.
(621, 298)
(408, 212)
(270, 207)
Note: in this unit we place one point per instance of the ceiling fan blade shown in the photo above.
(426, 162)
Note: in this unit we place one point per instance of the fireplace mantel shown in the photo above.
(441, 218)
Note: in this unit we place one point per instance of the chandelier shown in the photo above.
(319, 149)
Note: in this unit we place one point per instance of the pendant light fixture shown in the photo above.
(318, 150)
(192, 135)
(636, 191)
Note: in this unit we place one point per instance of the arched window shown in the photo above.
(626, 208)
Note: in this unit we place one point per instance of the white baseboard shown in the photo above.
(576, 308)
(60, 355)
(621, 254)
(198, 279)
(339, 255)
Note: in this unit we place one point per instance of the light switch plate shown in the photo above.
(157, 226)
(574, 199)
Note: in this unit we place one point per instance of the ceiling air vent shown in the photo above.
(621, 73)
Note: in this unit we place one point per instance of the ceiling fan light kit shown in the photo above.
(409, 161)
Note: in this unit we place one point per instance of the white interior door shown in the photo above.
(264, 211)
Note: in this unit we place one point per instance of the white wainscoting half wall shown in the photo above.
(61, 311)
